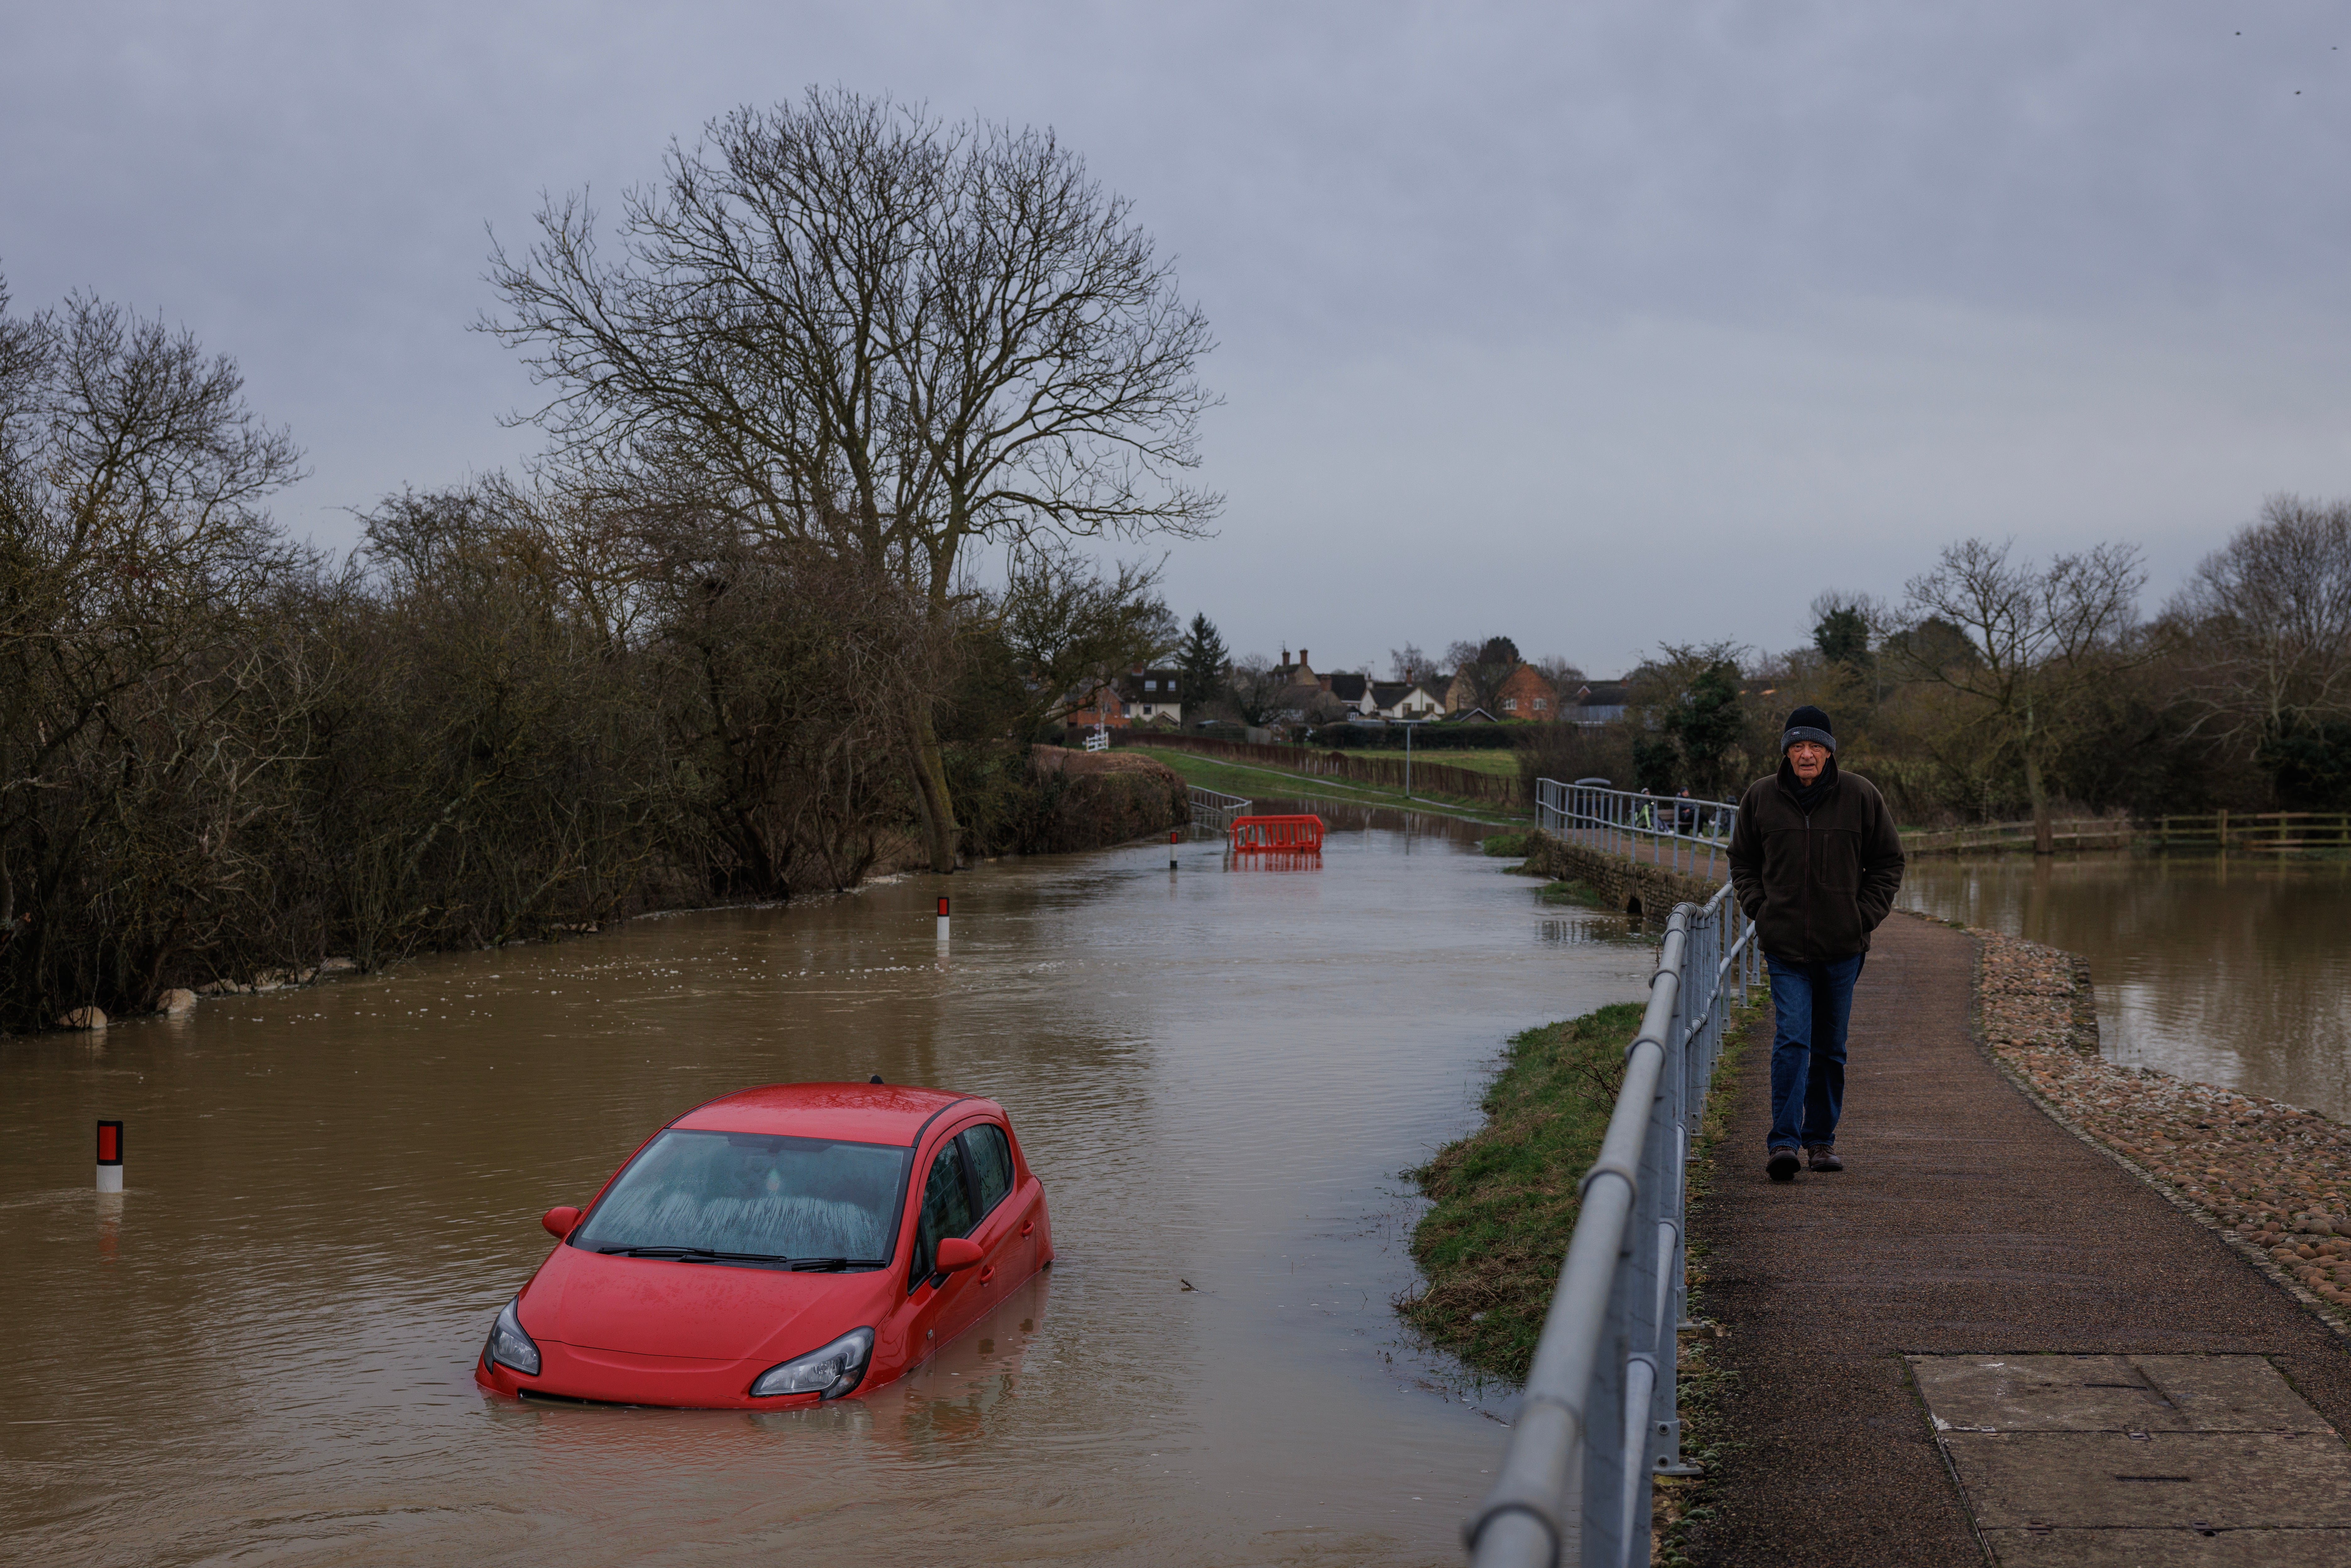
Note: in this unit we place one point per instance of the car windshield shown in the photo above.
(753, 1195)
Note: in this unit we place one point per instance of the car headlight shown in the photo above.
(831, 1372)
(509, 1346)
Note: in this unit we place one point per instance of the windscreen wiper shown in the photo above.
(772, 1260)
(695, 1255)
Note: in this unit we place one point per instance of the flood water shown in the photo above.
(261, 1352)
(2231, 970)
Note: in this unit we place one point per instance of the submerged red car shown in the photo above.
(777, 1246)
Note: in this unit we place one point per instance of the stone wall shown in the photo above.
(1628, 886)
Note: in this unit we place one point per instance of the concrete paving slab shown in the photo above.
(2056, 1392)
(2044, 1393)
(2231, 1393)
(2107, 1479)
(2171, 1548)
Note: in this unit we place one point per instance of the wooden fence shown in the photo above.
(1997, 838)
(1386, 772)
(2257, 832)
(2263, 831)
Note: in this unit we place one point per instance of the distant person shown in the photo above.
(1815, 863)
(1686, 813)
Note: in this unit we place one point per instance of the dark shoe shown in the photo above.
(1823, 1158)
(1781, 1165)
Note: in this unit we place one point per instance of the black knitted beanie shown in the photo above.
(1807, 723)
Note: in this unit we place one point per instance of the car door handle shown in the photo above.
(1029, 1228)
(987, 1273)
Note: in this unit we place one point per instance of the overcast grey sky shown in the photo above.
(1593, 325)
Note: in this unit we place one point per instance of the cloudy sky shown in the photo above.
(1596, 325)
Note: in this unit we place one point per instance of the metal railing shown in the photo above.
(1212, 809)
(1667, 830)
(1597, 1420)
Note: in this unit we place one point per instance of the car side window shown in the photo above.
(946, 1208)
(989, 1153)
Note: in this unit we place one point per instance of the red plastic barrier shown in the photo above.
(1309, 859)
(1277, 836)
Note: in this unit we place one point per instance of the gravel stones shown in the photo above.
(2277, 1174)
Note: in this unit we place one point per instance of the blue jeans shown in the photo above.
(1812, 1004)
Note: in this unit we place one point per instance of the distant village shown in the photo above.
(1291, 695)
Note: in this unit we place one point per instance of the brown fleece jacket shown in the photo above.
(1815, 883)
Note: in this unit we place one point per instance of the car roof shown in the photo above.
(859, 1113)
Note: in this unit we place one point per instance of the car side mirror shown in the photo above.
(561, 1220)
(957, 1253)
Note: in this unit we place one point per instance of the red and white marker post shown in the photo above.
(110, 1156)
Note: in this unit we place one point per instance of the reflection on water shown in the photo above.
(262, 1350)
(1592, 930)
(2227, 970)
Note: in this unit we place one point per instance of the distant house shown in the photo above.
(1300, 673)
(1469, 716)
(1526, 694)
(1294, 704)
(1351, 692)
(1406, 699)
(1097, 705)
(1595, 702)
(1152, 696)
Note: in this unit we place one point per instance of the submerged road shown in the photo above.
(262, 1352)
(1983, 1335)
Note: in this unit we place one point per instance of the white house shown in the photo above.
(1406, 699)
(1152, 696)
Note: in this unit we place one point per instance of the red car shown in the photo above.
(777, 1246)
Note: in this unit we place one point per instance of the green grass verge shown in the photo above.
(1505, 1197)
(1255, 781)
(1582, 895)
(1702, 1385)
(1502, 763)
(1499, 763)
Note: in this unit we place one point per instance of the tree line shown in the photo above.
(2000, 688)
(729, 637)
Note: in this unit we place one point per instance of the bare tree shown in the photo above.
(1487, 666)
(1564, 678)
(1068, 628)
(2265, 623)
(1255, 688)
(137, 726)
(1409, 663)
(2038, 638)
(857, 328)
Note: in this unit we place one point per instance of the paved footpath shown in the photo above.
(2104, 1372)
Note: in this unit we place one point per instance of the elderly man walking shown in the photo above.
(1815, 863)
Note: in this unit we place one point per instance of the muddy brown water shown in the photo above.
(2233, 970)
(261, 1352)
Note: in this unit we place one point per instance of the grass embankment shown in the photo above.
(1505, 1197)
(1254, 780)
(1505, 1205)
(1502, 762)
